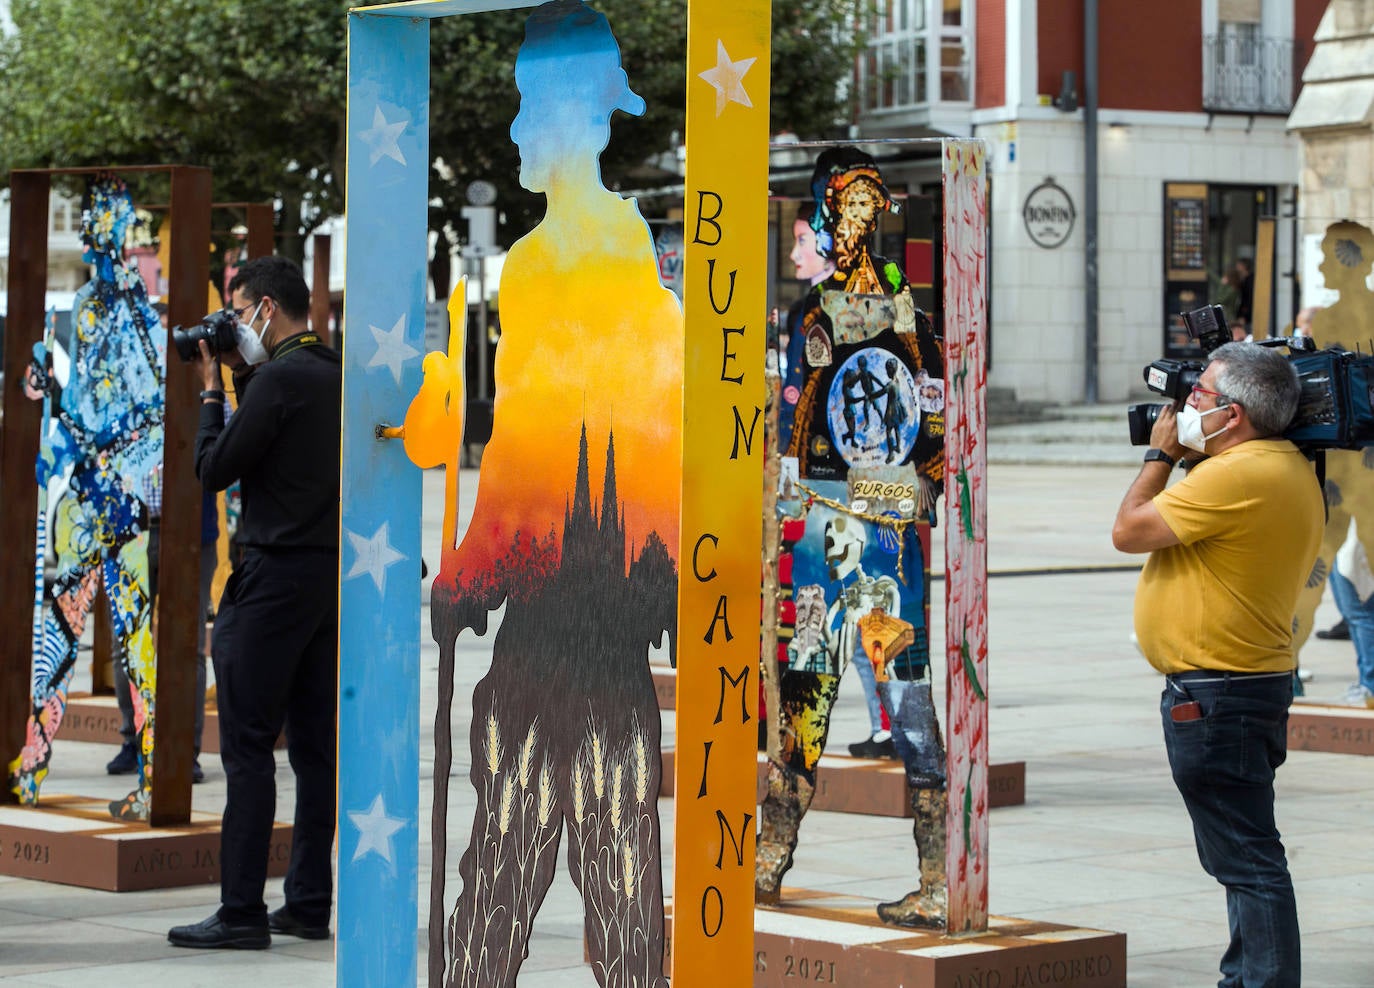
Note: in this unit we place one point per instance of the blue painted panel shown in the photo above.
(379, 593)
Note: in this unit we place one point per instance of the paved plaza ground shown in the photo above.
(1102, 840)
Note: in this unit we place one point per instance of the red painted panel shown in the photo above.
(920, 263)
(990, 88)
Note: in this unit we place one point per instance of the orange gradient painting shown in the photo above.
(574, 532)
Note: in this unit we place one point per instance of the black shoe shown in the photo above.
(873, 748)
(1339, 631)
(281, 921)
(215, 934)
(863, 749)
(124, 763)
(197, 774)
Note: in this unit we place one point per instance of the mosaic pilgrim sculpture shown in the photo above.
(565, 725)
(108, 433)
(864, 392)
(1347, 258)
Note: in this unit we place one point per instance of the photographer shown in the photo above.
(275, 638)
(1230, 547)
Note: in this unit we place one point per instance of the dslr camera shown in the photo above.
(1335, 408)
(219, 329)
(1174, 378)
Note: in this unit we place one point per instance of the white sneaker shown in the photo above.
(1306, 675)
(1356, 695)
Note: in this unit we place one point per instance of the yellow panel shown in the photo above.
(718, 654)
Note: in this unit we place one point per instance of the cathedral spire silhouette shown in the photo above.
(610, 507)
(582, 492)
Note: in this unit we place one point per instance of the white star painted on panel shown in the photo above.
(381, 137)
(392, 348)
(374, 830)
(728, 79)
(372, 556)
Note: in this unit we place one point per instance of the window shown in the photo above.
(919, 52)
(1247, 57)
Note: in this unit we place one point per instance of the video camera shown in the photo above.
(1335, 408)
(219, 329)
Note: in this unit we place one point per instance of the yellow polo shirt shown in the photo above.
(1250, 522)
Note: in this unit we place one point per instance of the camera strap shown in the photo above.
(297, 343)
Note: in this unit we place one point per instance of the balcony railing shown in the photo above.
(1247, 75)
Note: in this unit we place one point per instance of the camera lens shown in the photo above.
(187, 341)
(1140, 420)
(218, 329)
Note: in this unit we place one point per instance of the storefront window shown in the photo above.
(1211, 234)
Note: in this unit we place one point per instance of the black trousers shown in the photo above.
(275, 650)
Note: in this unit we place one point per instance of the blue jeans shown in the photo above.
(1359, 617)
(864, 667)
(1223, 764)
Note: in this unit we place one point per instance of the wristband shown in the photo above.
(214, 395)
(1152, 455)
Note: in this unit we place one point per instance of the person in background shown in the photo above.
(1302, 322)
(1245, 310)
(275, 644)
(1230, 548)
(1228, 294)
(1352, 587)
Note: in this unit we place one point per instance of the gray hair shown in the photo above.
(1262, 381)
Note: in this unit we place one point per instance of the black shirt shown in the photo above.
(282, 445)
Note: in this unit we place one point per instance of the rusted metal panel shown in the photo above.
(28, 272)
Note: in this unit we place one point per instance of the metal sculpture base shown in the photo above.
(71, 840)
(1335, 729)
(874, 787)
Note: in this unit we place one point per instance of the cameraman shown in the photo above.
(1230, 546)
(275, 638)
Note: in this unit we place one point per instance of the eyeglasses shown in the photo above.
(1220, 398)
(238, 313)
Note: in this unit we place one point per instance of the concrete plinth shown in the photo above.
(873, 786)
(1323, 727)
(665, 687)
(72, 840)
(833, 939)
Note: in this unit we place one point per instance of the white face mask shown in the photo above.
(251, 347)
(1190, 432)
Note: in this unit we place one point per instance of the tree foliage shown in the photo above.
(252, 89)
(255, 90)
